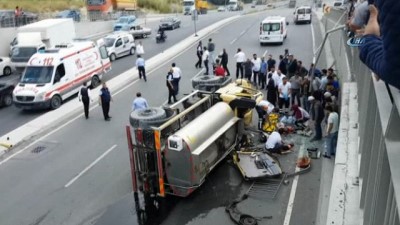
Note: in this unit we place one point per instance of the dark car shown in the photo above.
(170, 23)
(71, 13)
(8, 19)
(6, 91)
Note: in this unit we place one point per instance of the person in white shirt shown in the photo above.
(139, 49)
(284, 89)
(256, 62)
(176, 76)
(139, 102)
(205, 57)
(85, 97)
(275, 144)
(240, 58)
(140, 65)
(332, 131)
(264, 108)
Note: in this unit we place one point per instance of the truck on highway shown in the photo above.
(54, 75)
(235, 5)
(103, 9)
(189, 6)
(173, 149)
(39, 36)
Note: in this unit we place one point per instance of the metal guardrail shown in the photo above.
(379, 133)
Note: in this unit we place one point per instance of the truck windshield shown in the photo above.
(271, 27)
(109, 42)
(37, 75)
(188, 3)
(23, 52)
(95, 2)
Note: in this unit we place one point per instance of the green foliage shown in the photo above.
(42, 5)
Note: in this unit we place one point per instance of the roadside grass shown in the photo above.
(42, 5)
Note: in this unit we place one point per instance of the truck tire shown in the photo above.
(7, 71)
(205, 80)
(95, 81)
(7, 100)
(142, 117)
(55, 102)
(144, 35)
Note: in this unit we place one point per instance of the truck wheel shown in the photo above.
(6, 71)
(132, 51)
(205, 80)
(55, 102)
(141, 117)
(247, 220)
(144, 35)
(95, 81)
(113, 57)
(7, 100)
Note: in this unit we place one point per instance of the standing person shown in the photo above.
(240, 59)
(324, 80)
(85, 97)
(247, 66)
(224, 61)
(317, 116)
(301, 69)
(284, 89)
(176, 76)
(104, 100)
(282, 64)
(139, 49)
(17, 15)
(271, 89)
(263, 73)
(296, 82)
(139, 102)
(211, 49)
(219, 69)
(332, 131)
(199, 53)
(170, 86)
(256, 62)
(292, 66)
(205, 59)
(271, 62)
(140, 64)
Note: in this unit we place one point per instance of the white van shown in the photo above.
(119, 44)
(54, 75)
(302, 14)
(273, 29)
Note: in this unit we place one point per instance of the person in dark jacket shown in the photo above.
(282, 65)
(199, 53)
(247, 67)
(271, 89)
(170, 86)
(292, 66)
(104, 101)
(84, 97)
(271, 62)
(317, 115)
(224, 61)
(381, 48)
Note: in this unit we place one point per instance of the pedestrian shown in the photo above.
(316, 115)
(140, 65)
(104, 100)
(199, 53)
(205, 59)
(139, 102)
(176, 76)
(139, 49)
(291, 66)
(211, 49)
(301, 70)
(219, 69)
(284, 89)
(224, 61)
(305, 92)
(275, 144)
(240, 58)
(85, 97)
(282, 64)
(263, 73)
(256, 63)
(247, 66)
(17, 15)
(271, 62)
(170, 86)
(263, 108)
(301, 116)
(332, 131)
(271, 89)
(324, 80)
(296, 82)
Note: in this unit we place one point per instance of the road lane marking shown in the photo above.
(265, 53)
(233, 41)
(90, 166)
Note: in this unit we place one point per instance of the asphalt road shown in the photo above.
(75, 175)
(12, 117)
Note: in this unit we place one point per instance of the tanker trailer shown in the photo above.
(193, 151)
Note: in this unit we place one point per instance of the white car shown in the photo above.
(119, 44)
(221, 9)
(5, 66)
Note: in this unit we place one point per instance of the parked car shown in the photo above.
(138, 31)
(5, 66)
(221, 9)
(119, 44)
(170, 23)
(7, 18)
(125, 22)
(71, 13)
(6, 91)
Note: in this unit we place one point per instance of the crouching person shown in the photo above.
(301, 116)
(275, 144)
(264, 108)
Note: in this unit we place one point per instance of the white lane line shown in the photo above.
(233, 41)
(242, 33)
(265, 53)
(290, 205)
(96, 105)
(90, 166)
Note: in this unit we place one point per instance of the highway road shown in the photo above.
(12, 117)
(75, 174)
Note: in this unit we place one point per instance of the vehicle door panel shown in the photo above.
(119, 47)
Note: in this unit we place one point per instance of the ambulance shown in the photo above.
(53, 75)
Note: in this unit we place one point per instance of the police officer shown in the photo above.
(104, 100)
(84, 97)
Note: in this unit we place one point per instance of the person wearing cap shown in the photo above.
(264, 108)
(284, 89)
(330, 99)
(316, 115)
